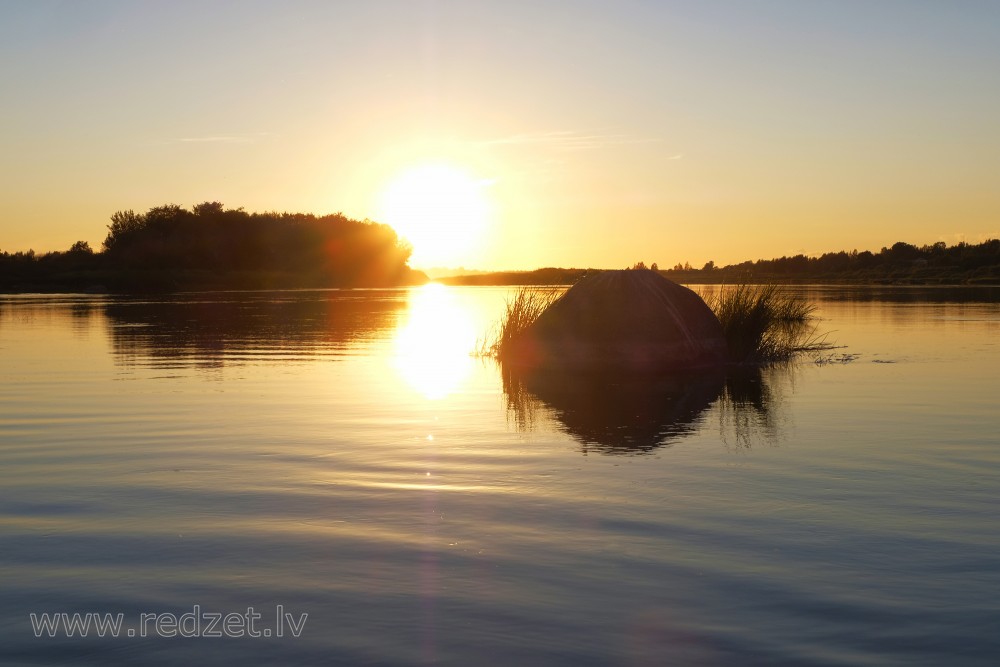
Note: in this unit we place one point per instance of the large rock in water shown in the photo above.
(631, 320)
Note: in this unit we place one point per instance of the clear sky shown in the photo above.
(574, 133)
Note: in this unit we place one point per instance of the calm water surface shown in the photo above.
(342, 455)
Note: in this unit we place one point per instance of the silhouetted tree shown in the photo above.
(208, 209)
(124, 224)
(291, 248)
(902, 252)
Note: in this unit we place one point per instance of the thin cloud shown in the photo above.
(568, 140)
(225, 138)
(216, 140)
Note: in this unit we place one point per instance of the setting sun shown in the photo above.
(442, 210)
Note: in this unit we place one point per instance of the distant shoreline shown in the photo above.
(170, 249)
(501, 279)
(900, 264)
(558, 277)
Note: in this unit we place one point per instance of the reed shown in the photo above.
(520, 312)
(764, 323)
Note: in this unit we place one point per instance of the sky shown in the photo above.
(581, 134)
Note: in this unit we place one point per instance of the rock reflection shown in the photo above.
(628, 414)
(210, 330)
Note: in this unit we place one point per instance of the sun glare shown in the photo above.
(441, 210)
(433, 348)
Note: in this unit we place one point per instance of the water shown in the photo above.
(341, 455)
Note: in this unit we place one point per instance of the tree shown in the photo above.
(167, 243)
(123, 224)
(207, 208)
(902, 252)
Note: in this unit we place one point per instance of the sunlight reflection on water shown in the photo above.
(433, 349)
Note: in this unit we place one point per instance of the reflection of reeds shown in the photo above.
(764, 323)
(520, 312)
(747, 408)
(520, 403)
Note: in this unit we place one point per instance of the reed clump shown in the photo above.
(764, 323)
(521, 311)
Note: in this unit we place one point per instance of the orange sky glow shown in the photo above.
(513, 135)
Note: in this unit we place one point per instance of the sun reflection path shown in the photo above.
(433, 349)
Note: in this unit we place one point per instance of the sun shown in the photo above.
(442, 210)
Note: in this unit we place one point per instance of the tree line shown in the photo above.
(209, 246)
(899, 264)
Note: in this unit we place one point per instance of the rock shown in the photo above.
(631, 320)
